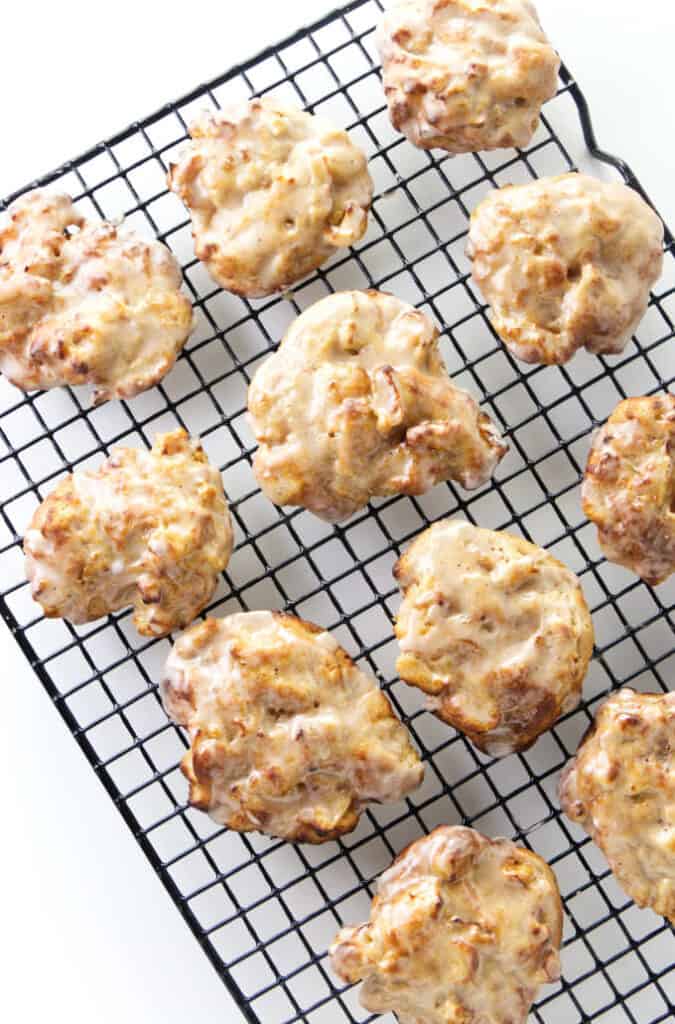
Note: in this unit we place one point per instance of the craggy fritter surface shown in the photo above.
(466, 75)
(357, 403)
(272, 192)
(463, 929)
(149, 528)
(620, 788)
(495, 629)
(629, 486)
(288, 736)
(84, 302)
(565, 262)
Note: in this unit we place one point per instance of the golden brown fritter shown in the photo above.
(463, 929)
(288, 736)
(357, 403)
(629, 486)
(466, 75)
(620, 788)
(85, 302)
(495, 629)
(272, 192)
(149, 528)
(565, 262)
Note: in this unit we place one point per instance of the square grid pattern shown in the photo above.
(265, 911)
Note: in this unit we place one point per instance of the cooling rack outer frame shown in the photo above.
(15, 628)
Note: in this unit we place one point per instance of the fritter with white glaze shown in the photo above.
(357, 403)
(463, 930)
(288, 736)
(86, 302)
(150, 529)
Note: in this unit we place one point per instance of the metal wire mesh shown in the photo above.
(265, 911)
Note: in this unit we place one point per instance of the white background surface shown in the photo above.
(88, 933)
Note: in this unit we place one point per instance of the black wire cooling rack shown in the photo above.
(265, 911)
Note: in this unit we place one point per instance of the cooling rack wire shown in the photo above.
(265, 911)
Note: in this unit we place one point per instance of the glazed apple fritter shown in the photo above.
(288, 736)
(495, 630)
(629, 486)
(273, 192)
(620, 787)
(565, 263)
(150, 529)
(86, 302)
(466, 76)
(462, 929)
(357, 403)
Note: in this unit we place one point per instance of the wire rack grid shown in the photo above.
(265, 911)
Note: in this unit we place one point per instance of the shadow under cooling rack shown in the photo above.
(265, 911)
